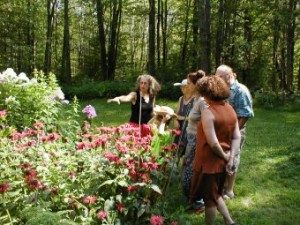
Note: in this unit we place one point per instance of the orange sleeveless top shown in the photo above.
(206, 160)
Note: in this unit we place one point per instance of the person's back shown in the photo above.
(225, 121)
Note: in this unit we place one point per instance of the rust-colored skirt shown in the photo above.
(207, 186)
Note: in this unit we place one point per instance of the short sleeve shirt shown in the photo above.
(241, 100)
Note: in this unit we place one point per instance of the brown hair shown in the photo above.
(154, 86)
(195, 76)
(213, 87)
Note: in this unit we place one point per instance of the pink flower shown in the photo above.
(89, 199)
(72, 174)
(3, 113)
(156, 220)
(4, 187)
(38, 125)
(101, 215)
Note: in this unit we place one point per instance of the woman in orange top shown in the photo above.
(218, 139)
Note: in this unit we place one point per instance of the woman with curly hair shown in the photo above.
(142, 101)
(218, 139)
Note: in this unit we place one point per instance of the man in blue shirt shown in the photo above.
(240, 99)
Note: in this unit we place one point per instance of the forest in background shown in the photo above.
(107, 40)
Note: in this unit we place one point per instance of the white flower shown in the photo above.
(10, 99)
(33, 81)
(23, 77)
(10, 75)
(58, 94)
(1, 78)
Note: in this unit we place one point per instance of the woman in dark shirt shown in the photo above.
(142, 101)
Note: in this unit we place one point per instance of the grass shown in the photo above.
(267, 186)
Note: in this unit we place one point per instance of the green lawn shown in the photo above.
(268, 184)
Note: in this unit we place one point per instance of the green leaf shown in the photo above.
(123, 183)
(156, 188)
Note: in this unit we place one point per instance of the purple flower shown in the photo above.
(89, 111)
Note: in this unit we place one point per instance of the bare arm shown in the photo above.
(235, 145)
(131, 97)
(176, 122)
(207, 120)
(242, 121)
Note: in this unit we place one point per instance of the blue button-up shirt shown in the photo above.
(241, 100)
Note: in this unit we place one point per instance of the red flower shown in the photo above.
(120, 207)
(89, 199)
(156, 220)
(132, 188)
(4, 187)
(25, 166)
(101, 215)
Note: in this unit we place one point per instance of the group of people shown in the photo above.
(212, 115)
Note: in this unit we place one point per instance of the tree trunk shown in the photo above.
(151, 56)
(114, 37)
(220, 34)
(50, 23)
(195, 25)
(102, 40)
(185, 33)
(31, 37)
(275, 67)
(159, 18)
(290, 46)
(248, 40)
(205, 49)
(164, 31)
(66, 56)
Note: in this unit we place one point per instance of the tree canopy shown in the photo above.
(119, 39)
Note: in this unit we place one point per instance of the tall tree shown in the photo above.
(290, 45)
(164, 21)
(102, 39)
(114, 38)
(66, 54)
(275, 66)
(159, 19)
(196, 32)
(186, 31)
(51, 4)
(205, 46)
(248, 41)
(151, 56)
(220, 33)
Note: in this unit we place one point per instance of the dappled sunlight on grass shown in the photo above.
(268, 180)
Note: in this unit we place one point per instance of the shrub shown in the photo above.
(270, 100)
(89, 89)
(29, 100)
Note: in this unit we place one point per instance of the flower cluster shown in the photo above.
(101, 175)
(90, 112)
